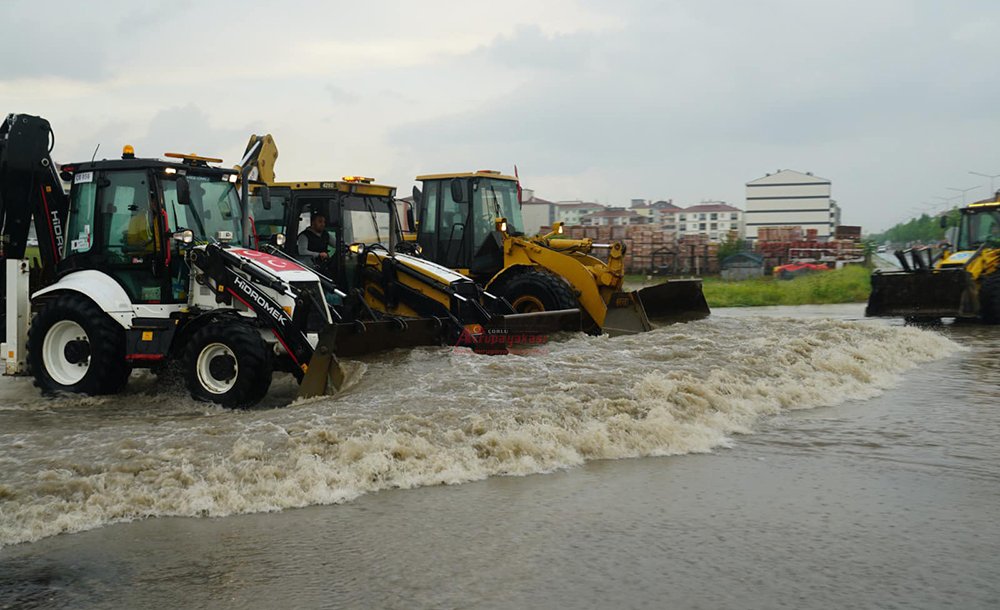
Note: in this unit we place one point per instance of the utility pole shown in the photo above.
(992, 177)
(963, 191)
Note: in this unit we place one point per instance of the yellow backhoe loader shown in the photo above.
(963, 282)
(472, 222)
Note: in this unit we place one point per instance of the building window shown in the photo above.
(701, 226)
(733, 216)
(701, 217)
(715, 225)
(713, 216)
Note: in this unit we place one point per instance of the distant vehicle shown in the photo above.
(882, 249)
(794, 270)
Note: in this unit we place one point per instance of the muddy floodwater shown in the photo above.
(762, 458)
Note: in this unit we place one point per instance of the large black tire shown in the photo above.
(74, 346)
(532, 290)
(989, 298)
(228, 363)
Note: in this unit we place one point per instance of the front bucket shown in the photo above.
(324, 374)
(360, 338)
(538, 323)
(922, 294)
(680, 299)
(626, 315)
(351, 339)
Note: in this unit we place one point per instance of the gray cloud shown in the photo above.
(728, 84)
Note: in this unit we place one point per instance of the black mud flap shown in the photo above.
(626, 315)
(675, 300)
(923, 294)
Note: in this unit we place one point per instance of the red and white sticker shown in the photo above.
(275, 263)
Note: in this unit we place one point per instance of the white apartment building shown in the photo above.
(572, 212)
(713, 218)
(789, 198)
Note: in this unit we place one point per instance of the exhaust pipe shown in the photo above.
(901, 257)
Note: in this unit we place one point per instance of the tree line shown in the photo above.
(925, 229)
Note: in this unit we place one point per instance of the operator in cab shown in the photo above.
(314, 242)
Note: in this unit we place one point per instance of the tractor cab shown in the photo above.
(358, 215)
(980, 225)
(462, 218)
(124, 215)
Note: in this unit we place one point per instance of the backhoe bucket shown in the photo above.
(678, 300)
(922, 294)
(626, 315)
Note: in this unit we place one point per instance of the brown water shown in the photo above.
(853, 463)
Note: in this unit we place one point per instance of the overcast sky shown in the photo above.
(892, 100)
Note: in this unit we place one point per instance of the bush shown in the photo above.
(848, 285)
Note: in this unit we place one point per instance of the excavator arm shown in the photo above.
(30, 190)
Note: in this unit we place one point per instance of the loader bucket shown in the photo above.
(626, 315)
(538, 323)
(324, 374)
(347, 340)
(360, 338)
(922, 294)
(678, 300)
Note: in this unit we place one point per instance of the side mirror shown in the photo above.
(944, 222)
(265, 196)
(417, 196)
(459, 190)
(183, 191)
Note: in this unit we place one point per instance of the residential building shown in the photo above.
(665, 213)
(715, 219)
(572, 212)
(789, 198)
(614, 216)
(536, 213)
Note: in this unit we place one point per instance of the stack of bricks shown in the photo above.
(779, 234)
(777, 253)
(650, 248)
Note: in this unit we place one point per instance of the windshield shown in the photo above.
(978, 228)
(366, 219)
(494, 199)
(215, 206)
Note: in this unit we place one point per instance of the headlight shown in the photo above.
(279, 239)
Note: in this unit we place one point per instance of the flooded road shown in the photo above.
(852, 462)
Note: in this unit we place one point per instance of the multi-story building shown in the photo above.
(665, 214)
(789, 198)
(572, 212)
(713, 218)
(615, 216)
(536, 212)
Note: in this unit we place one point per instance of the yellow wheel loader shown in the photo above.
(963, 282)
(472, 222)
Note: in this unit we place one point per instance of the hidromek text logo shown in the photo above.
(252, 294)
